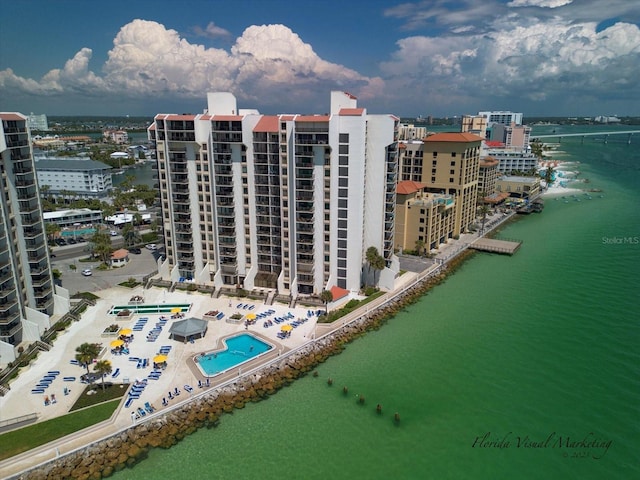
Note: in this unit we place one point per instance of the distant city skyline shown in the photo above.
(441, 58)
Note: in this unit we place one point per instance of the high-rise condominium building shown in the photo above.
(27, 291)
(502, 117)
(283, 202)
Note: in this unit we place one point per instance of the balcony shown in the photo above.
(14, 329)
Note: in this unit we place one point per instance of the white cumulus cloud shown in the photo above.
(147, 59)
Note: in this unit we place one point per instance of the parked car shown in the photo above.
(80, 239)
(151, 246)
(72, 241)
(61, 241)
(135, 250)
(113, 233)
(87, 272)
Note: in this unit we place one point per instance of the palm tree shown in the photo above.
(87, 353)
(371, 255)
(130, 235)
(419, 247)
(137, 219)
(484, 210)
(549, 174)
(103, 367)
(374, 260)
(51, 229)
(326, 296)
(102, 246)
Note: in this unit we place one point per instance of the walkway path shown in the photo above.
(20, 402)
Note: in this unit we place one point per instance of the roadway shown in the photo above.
(71, 260)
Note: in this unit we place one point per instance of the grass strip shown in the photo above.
(18, 441)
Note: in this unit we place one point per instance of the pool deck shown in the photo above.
(180, 371)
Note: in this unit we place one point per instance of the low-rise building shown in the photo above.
(78, 177)
(74, 217)
(116, 136)
(519, 187)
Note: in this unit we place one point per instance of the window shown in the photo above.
(453, 162)
(344, 138)
(453, 154)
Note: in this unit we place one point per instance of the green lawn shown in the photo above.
(18, 441)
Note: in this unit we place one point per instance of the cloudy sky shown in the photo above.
(429, 57)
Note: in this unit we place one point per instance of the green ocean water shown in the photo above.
(536, 353)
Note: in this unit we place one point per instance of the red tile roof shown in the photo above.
(11, 116)
(268, 123)
(227, 118)
(120, 254)
(459, 137)
(338, 293)
(405, 187)
(351, 112)
(180, 117)
(312, 118)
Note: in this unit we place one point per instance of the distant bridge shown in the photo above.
(604, 135)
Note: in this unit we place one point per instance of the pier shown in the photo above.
(507, 247)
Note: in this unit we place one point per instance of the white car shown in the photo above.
(151, 246)
(87, 272)
(113, 233)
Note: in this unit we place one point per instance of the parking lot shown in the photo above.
(73, 280)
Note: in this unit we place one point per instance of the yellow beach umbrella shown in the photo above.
(176, 310)
(159, 359)
(251, 316)
(126, 332)
(117, 343)
(286, 328)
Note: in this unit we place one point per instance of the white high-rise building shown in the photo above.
(27, 292)
(287, 202)
(502, 117)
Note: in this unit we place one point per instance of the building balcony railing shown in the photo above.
(41, 293)
(42, 281)
(6, 334)
(6, 305)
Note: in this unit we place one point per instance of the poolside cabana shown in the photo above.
(188, 329)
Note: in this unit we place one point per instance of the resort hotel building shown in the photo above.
(444, 170)
(75, 177)
(28, 295)
(289, 203)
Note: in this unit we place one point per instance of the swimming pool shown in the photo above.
(79, 232)
(239, 349)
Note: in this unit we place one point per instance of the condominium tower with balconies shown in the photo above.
(283, 202)
(27, 292)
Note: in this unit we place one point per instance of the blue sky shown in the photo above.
(430, 57)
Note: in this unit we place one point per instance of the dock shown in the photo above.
(507, 247)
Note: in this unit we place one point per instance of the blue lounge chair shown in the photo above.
(69, 379)
(148, 407)
(128, 402)
(116, 373)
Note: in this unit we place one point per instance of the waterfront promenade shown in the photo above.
(178, 373)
